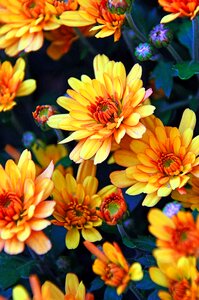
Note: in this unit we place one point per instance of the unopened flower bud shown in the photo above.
(28, 139)
(144, 51)
(42, 114)
(171, 209)
(119, 7)
(160, 36)
(113, 208)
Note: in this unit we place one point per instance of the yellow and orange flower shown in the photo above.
(189, 195)
(176, 236)
(24, 23)
(76, 203)
(95, 12)
(48, 291)
(103, 110)
(162, 161)
(179, 9)
(23, 209)
(112, 266)
(180, 279)
(12, 83)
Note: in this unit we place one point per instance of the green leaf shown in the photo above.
(186, 69)
(128, 243)
(163, 75)
(185, 35)
(145, 243)
(13, 268)
(110, 294)
(146, 283)
(65, 162)
(96, 284)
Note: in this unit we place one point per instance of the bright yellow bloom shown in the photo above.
(12, 83)
(76, 203)
(103, 110)
(179, 8)
(48, 291)
(176, 236)
(162, 161)
(24, 23)
(181, 279)
(95, 12)
(189, 195)
(112, 266)
(23, 209)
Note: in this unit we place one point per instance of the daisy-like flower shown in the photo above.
(12, 83)
(181, 280)
(103, 110)
(176, 236)
(73, 290)
(112, 266)
(23, 209)
(24, 22)
(95, 12)
(162, 161)
(76, 203)
(189, 195)
(179, 9)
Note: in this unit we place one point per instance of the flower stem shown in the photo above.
(85, 41)
(135, 292)
(59, 135)
(122, 231)
(174, 54)
(195, 39)
(134, 27)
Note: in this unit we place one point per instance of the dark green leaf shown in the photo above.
(147, 261)
(128, 243)
(65, 162)
(145, 243)
(153, 296)
(185, 35)
(186, 69)
(96, 284)
(146, 283)
(110, 294)
(163, 75)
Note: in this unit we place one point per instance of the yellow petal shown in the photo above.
(91, 234)
(158, 277)
(51, 292)
(72, 238)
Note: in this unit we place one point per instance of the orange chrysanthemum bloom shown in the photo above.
(176, 236)
(180, 279)
(179, 8)
(103, 110)
(189, 196)
(76, 203)
(23, 209)
(24, 23)
(48, 291)
(112, 266)
(95, 12)
(12, 83)
(162, 161)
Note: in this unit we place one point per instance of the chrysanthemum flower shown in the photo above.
(179, 8)
(76, 203)
(48, 291)
(104, 109)
(23, 209)
(112, 266)
(12, 83)
(176, 236)
(95, 12)
(189, 195)
(24, 23)
(181, 280)
(162, 161)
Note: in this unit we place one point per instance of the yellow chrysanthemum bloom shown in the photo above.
(48, 291)
(76, 203)
(12, 83)
(176, 236)
(162, 161)
(112, 266)
(24, 22)
(103, 110)
(95, 12)
(181, 280)
(23, 209)
(179, 9)
(189, 195)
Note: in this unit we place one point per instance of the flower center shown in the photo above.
(181, 290)
(77, 215)
(114, 275)
(169, 164)
(10, 206)
(104, 110)
(33, 8)
(5, 95)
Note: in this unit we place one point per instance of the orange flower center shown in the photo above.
(5, 95)
(104, 110)
(169, 164)
(115, 275)
(33, 8)
(77, 215)
(182, 290)
(10, 206)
